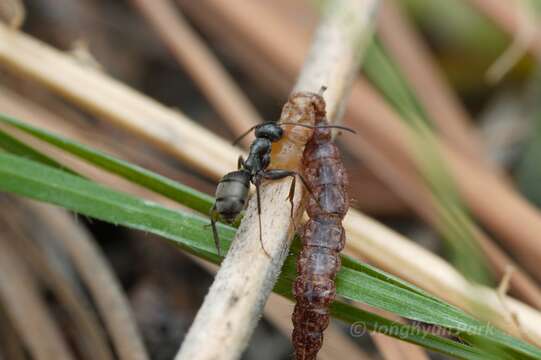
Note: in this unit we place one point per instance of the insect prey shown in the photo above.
(323, 237)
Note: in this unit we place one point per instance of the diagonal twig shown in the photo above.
(90, 338)
(26, 308)
(217, 85)
(97, 276)
(234, 304)
(443, 107)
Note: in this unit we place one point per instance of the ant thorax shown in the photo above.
(259, 156)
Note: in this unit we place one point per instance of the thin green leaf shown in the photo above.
(14, 146)
(176, 191)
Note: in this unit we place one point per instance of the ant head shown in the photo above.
(271, 130)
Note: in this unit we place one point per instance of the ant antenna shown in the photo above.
(293, 124)
(321, 126)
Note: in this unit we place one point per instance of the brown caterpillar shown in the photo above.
(323, 237)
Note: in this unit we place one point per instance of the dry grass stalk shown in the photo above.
(166, 128)
(10, 343)
(437, 98)
(90, 339)
(97, 275)
(278, 311)
(207, 72)
(235, 301)
(508, 15)
(14, 12)
(442, 280)
(26, 309)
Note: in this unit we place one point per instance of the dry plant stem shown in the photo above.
(442, 280)
(110, 99)
(235, 301)
(98, 277)
(519, 45)
(25, 308)
(395, 171)
(268, 76)
(218, 86)
(509, 19)
(392, 137)
(90, 337)
(408, 50)
(392, 349)
(278, 311)
(71, 126)
(10, 342)
(14, 12)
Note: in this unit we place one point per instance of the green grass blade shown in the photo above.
(176, 191)
(28, 178)
(16, 147)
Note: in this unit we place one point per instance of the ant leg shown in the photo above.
(240, 163)
(214, 216)
(276, 174)
(292, 194)
(257, 184)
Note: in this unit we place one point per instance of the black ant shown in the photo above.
(232, 190)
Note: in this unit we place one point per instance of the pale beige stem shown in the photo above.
(14, 12)
(98, 276)
(120, 104)
(441, 279)
(509, 20)
(278, 311)
(413, 57)
(91, 340)
(26, 308)
(235, 301)
(217, 85)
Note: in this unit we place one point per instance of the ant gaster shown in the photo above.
(233, 188)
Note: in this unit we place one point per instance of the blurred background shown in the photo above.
(459, 72)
